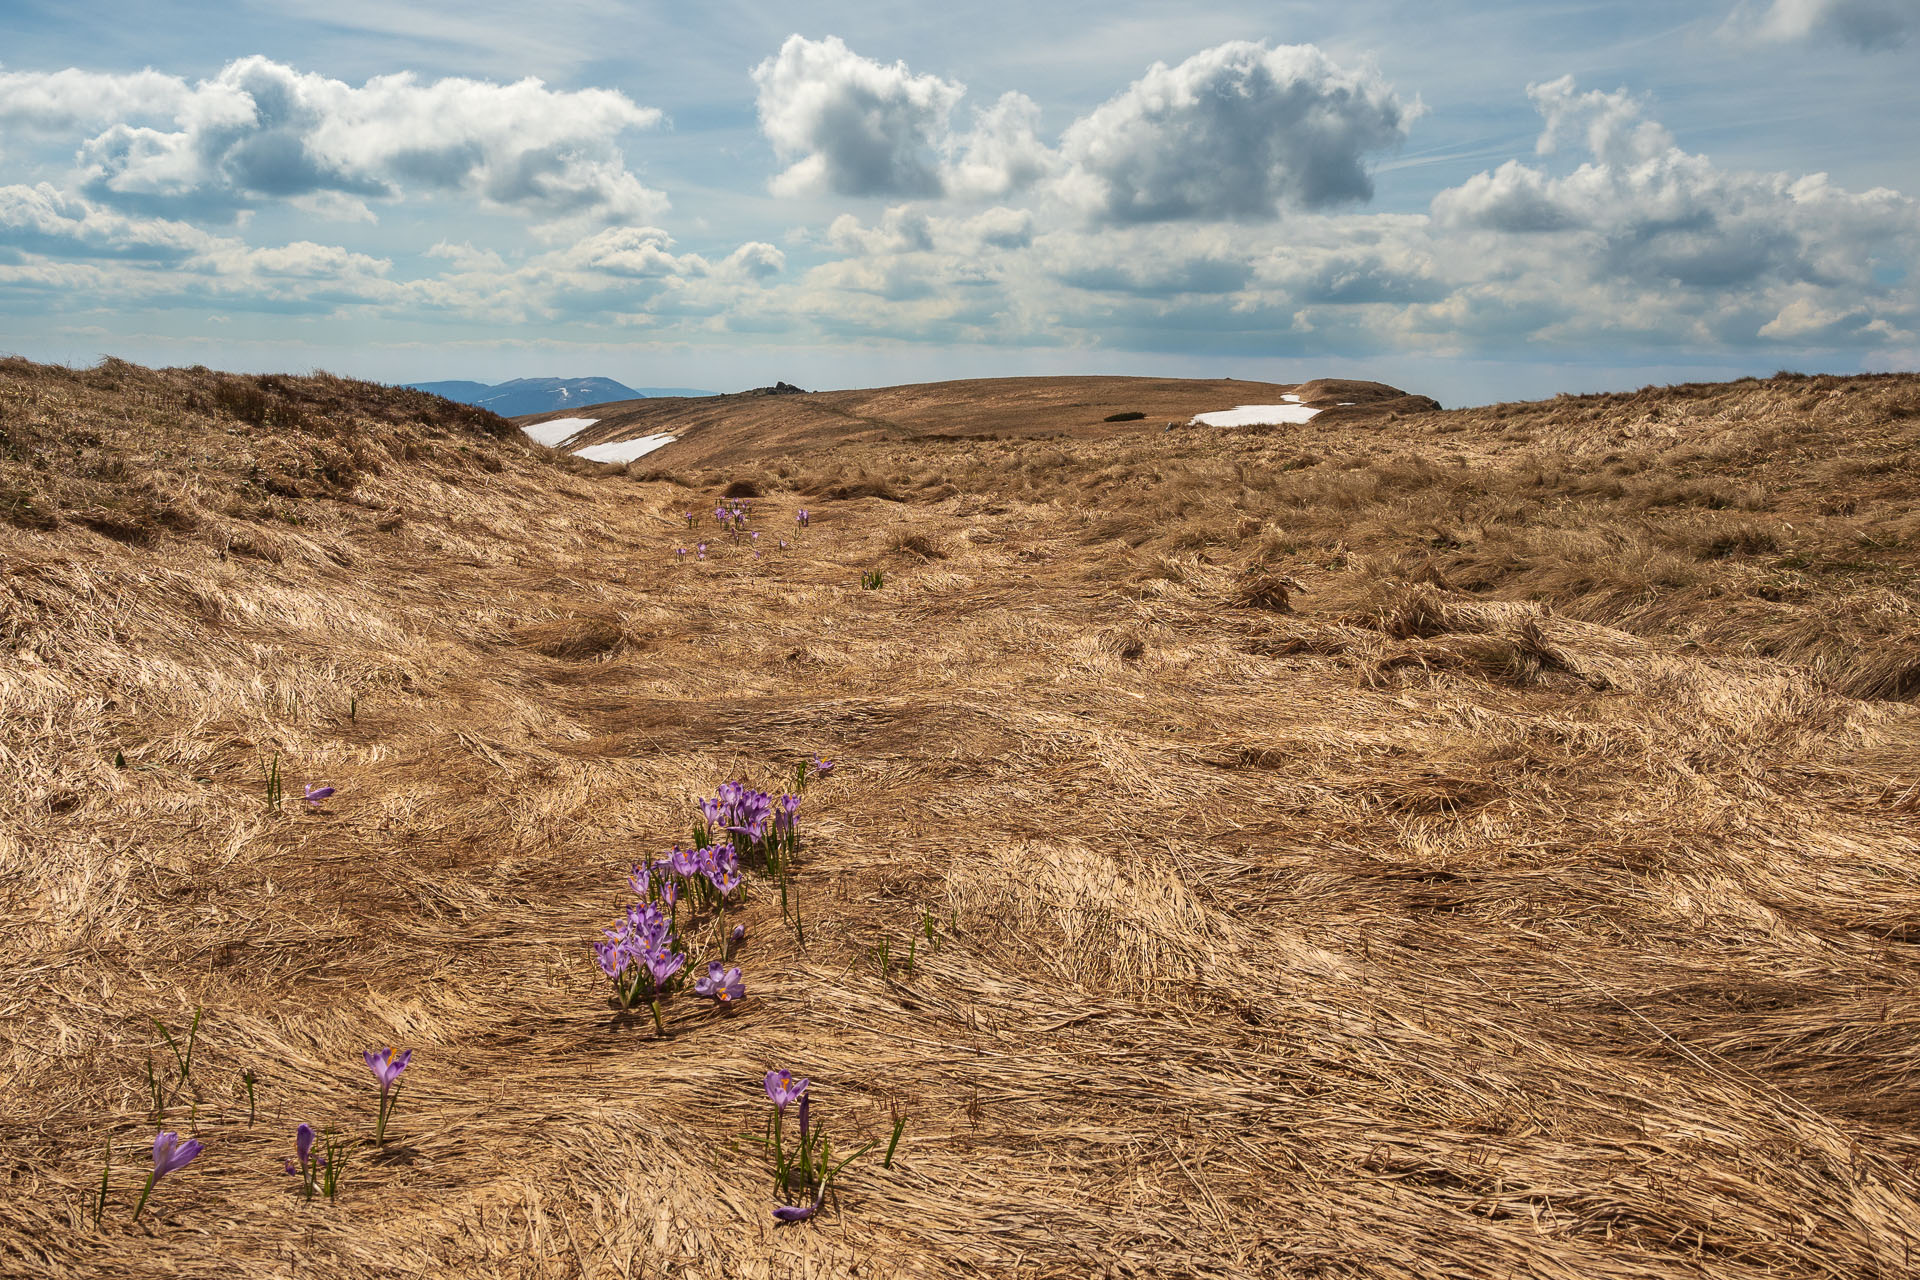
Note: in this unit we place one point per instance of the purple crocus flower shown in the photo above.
(639, 879)
(786, 813)
(782, 1088)
(800, 517)
(316, 794)
(681, 550)
(612, 957)
(303, 1149)
(725, 879)
(801, 1212)
(663, 965)
(739, 934)
(822, 768)
(385, 1067)
(721, 983)
(170, 1152)
(685, 861)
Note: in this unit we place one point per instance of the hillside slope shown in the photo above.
(1468, 844)
(756, 424)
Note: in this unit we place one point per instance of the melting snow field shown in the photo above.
(555, 430)
(623, 450)
(551, 433)
(1257, 415)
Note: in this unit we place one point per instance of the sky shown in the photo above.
(1479, 201)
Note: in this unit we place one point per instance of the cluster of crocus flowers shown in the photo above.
(733, 514)
(800, 518)
(641, 955)
(754, 823)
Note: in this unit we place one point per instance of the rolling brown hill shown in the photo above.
(1470, 844)
(755, 424)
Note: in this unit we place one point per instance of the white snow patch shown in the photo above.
(623, 450)
(551, 432)
(1255, 415)
(1289, 397)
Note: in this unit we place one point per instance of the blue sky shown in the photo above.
(1474, 200)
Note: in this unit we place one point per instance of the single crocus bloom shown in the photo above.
(782, 1088)
(801, 1212)
(721, 983)
(385, 1067)
(822, 767)
(664, 964)
(685, 861)
(739, 933)
(611, 956)
(170, 1153)
(303, 1148)
(316, 794)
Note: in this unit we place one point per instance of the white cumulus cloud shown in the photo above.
(852, 126)
(1641, 208)
(260, 130)
(1235, 132)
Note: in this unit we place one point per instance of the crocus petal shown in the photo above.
(793, 1213)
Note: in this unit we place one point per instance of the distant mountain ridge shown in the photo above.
(523, 396)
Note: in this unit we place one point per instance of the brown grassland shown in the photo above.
(1470, 844)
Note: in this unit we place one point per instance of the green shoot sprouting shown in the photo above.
(336, 1162)
(182, 1060)
(106, 1171)
(273, 782)
(899, 1127)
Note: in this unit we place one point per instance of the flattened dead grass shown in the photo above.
(1418, 861)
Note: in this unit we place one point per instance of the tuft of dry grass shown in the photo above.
(1485, 849)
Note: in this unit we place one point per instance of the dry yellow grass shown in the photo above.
(1475, 844)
